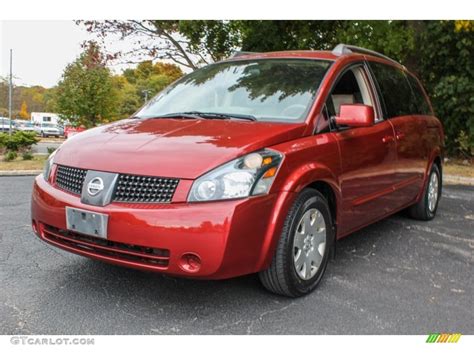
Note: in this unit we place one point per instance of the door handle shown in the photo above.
(387, 139)
(400, 135)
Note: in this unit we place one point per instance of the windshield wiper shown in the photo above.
(224, 116)
(206, 115)
(188, 115)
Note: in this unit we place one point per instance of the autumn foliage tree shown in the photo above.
(85, 94)
(24, 111)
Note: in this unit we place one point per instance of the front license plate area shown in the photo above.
(86, 222)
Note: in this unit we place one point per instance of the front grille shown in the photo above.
(70, 179)
(134, 188)
(129, 188)
(154, 257)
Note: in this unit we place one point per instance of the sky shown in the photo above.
(41, 49)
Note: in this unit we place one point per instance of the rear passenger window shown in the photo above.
(421, 105)
(395, 90)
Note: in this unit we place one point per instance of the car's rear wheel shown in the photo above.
(425, 209)
(302, 253)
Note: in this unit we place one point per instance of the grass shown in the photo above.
(19, 164)
(51, 139)
(458, 168)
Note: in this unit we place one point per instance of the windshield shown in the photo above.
(269, 90)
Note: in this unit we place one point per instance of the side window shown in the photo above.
(395, 90)
(350, 88)
(420, 104)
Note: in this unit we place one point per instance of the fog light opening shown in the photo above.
(190, 262)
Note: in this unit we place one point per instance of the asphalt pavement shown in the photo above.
(398, 276)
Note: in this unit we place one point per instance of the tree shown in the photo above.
(446, 67)
(146, 76)
(85, 94)
(392, 38)
(153, 39)
(127, 97)
(24, 111)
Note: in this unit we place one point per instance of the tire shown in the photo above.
(284, 276)
(423, 210)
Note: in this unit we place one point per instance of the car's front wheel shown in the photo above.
(302, 253)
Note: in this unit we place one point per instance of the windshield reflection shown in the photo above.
(269, 89)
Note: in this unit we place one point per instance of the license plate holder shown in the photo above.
(87, 222)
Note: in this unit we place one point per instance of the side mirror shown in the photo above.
(356, 115)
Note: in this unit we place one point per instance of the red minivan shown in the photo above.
(257, 164)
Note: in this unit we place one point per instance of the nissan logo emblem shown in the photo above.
(95, 186)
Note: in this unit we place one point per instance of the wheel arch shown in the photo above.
(328, 192)
(310, 175)
(436, 157)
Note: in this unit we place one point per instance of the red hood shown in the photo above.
(170, 147)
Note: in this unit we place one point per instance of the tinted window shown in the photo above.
(421, 106)
(395, 90)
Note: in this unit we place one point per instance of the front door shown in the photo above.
(368, 155)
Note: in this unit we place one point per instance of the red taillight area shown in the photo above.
(190, 262)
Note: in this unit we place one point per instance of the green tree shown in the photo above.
(127, 97)
(85, 94)
(445, 51)
(146, 76)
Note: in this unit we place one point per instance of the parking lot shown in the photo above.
(398, 276)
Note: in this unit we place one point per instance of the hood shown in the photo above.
(170, 147)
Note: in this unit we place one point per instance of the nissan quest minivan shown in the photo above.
(256, 164)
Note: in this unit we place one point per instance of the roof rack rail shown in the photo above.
(342, 49)
(240, 54)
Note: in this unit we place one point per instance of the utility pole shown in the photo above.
(146, 92)
(10, 89)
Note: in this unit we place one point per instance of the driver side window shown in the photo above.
(351, 88)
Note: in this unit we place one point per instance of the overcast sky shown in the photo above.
(41, 49)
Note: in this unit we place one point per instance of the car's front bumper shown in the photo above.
(231, 238)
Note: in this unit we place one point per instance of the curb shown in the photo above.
(20, 172)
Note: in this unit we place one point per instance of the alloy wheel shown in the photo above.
(309, 243)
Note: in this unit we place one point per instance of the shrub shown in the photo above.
(18, 141)
(27, 155)
(464, 144)
(9, 156)
(50, 150)
(3, 138)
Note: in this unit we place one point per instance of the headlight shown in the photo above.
(48, 165)
(252, 174)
